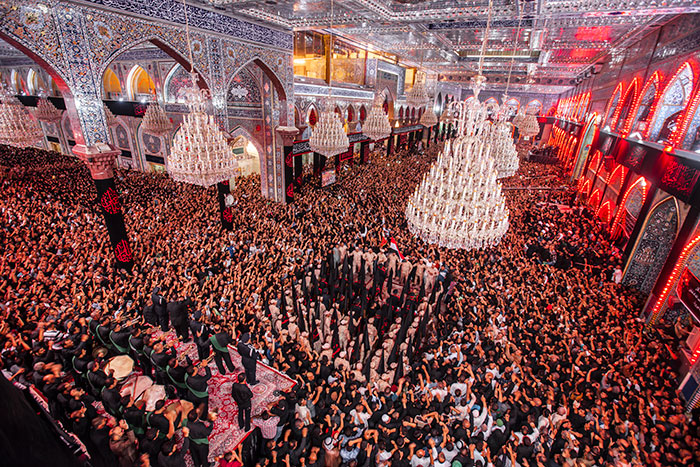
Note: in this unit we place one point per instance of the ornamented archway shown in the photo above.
(630, 206)
(584, 148)
(653, 246)
(639, 116)
(612, 105)
(673, 101)
(620, 116)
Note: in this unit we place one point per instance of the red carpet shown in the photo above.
(226, 434)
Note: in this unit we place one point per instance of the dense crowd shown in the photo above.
(527, 354)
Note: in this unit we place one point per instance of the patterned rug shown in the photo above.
(226, 435)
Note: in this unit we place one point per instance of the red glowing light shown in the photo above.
(595, 33)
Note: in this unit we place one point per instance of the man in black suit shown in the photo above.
(243, 396)
(220, 342)
(159, 306)
(177, 311)
(249, 358)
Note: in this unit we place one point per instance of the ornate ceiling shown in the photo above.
(557, 43)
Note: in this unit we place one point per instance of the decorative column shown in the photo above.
(223, 189)
(100, 161)
(364, 152)
(389, 144)
(285, 138)
(318, 167)
(427, 140)
(337, 165)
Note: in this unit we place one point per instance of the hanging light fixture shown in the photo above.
(377, 126)
(479, 80)
(17, 126)
(47, 112)
(328, 137)
(505, 155)
(459, 203)
(200, 154)
(428, 119)
(529, 127)
(418, 95)
(155, 122)
(110, 118)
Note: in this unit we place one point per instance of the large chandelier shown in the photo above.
(200, 154)
(529, 127)
(459, 203)
(505, 155)
(377, 126)
(17, 126)
(328, 136)
(428, 119)
(418, 95)
(155, 122)
(47, 112)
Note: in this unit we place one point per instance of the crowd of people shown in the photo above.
(404, 354)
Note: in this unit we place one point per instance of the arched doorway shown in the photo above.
(628, 211)
(584, 148)
(247, 151)
(653, 246)
(612, 105)
(638, 120)
(673, 101)
(620, 117)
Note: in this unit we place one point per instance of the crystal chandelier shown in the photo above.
(328, 137)
(377, 126)
(529, 127)
(505, 155)
(155, 122)
(459, 203)
(47, 112)
(110, 119)
(428, 119)
(418, 95)
(478, 83)
(17, 126)
(200, 154)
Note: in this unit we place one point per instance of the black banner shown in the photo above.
(110, 203)
(288, 173)
(689, 293)
(222, 190)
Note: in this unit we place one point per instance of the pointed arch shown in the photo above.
(276, 83)
(594, 199)
(687, 135)
(612, 104)
(623, 110)
(605, 212)
(534, 104)
(312, 115)
(139, 83)
(362, 113)
(653, 245)
(639, 184)
(639, 116)
(674, 99)
(111, 86)
(163, 45)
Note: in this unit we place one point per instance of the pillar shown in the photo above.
(427, 140)
(389, 144)
(100, 161)
(364, 152)
(318, 158)
(222, 190)
(285, 138)
(337, 165)
(437, 133)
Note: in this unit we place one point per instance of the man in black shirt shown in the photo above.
(177, 311)
(198, 385)
(220, 342)
(243, 396)
(249, 358)
(199, 438)
(159, 307)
